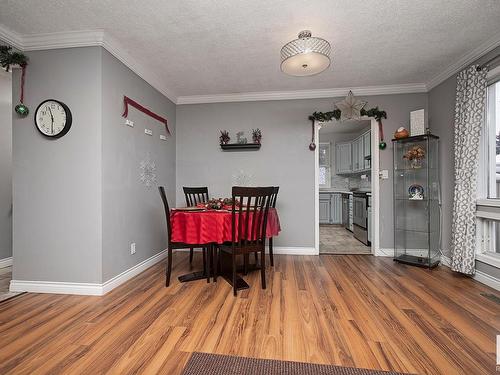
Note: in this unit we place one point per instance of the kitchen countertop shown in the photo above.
(334, 191)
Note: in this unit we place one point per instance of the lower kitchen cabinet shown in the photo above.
(330, 208)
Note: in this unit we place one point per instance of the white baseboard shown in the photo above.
(89, 289)
(281, 250)
(5, 262)
(131, 272)
(384, 253)
(486, 279)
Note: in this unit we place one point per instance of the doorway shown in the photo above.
(346, 187)
(5, 183)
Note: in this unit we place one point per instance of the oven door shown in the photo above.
(359, 212)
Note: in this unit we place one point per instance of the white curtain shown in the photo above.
(469, 120)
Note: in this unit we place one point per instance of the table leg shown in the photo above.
(226, 272)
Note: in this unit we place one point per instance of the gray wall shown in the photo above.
(57, 183)
(284, 158)
(5, 165)
(131, 212)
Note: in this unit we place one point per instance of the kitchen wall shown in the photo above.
(132, 212)
(57, 183)
(5, 165)
(344, 182)
(442, 122)
(284, 158)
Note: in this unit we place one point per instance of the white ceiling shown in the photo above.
(232, 46)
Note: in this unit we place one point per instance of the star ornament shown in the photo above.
(350, 107)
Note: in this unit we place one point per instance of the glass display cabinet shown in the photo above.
(417, 200)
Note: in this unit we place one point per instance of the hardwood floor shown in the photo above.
(354, 310)
(335, 239)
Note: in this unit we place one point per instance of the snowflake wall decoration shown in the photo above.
(148, 172)
(241, 178)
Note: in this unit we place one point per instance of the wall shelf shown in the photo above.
(240, 146)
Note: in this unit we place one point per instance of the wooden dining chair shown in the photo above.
(249, 223)
(176, 245)
(195, 195)
(273, 205)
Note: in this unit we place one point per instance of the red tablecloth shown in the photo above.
(203, 227)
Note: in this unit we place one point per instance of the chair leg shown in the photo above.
(191, 252)
(271, 258)
(203, 250)
(256, 258)
(169, 266)
(263, 268)
(216, 264)
(245, 264)
(234, 274)
(209, 260)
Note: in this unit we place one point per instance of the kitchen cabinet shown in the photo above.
(358, 163)
(343, 157)
(324, 208)
(367, 150)
(330, 208)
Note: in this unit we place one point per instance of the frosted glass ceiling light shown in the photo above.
(305, 56)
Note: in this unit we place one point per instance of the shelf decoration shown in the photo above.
(256, 135)
(127, 101)
(415, 155)
(401, 133)
(224, 137)
(349, 108)
(416, 192)
(8, 59)
(241, 142)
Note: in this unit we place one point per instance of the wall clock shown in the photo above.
(53, 118)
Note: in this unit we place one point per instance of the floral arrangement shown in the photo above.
(256, 135)
(224, 137)
(219, 204)
(415, 153)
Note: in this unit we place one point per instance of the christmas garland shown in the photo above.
(335, 114)
(8, 58)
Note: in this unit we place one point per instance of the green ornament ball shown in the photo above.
(382, 145)
(22, 110)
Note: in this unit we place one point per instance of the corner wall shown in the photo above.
(5, 165)
(57, 183)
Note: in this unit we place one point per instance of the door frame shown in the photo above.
(375, 182)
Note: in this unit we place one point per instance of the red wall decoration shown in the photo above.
(127, 101)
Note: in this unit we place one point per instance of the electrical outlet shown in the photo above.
(129, 123)
(132, 248)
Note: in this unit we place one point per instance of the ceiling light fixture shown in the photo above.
(305, 56)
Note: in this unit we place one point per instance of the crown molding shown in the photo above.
(84, 38)
(303, 94)
(464, 61)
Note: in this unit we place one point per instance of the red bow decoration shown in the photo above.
(127, 101)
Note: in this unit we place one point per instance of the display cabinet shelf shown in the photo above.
(417, 222)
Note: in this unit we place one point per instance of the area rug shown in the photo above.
(215, 364)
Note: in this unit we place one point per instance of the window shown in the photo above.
(488, 203)
(324, 165)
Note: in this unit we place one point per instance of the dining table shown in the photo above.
(212, 227)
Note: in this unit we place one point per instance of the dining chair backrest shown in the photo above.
(249, 217)
(167, 211)
(195, 195)
(275, 196)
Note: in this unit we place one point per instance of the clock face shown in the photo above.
(53, 118)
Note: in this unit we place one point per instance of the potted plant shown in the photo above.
(224, 137)
(256, 135)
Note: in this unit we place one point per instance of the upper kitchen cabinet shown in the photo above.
(367, 150)
(343, 163)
